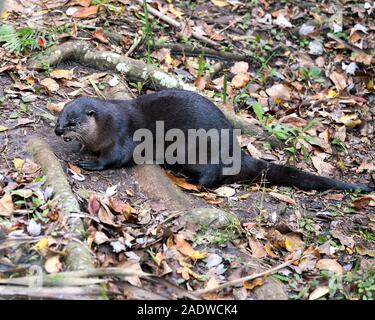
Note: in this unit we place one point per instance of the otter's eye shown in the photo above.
(72, 123)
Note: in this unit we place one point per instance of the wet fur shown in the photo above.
(106, 128)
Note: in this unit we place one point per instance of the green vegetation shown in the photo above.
(310, 74)
(212, 237)
(27, 38)
(147, 32)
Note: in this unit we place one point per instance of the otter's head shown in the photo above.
(78, 120)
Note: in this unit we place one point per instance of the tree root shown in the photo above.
(78, 255)
(64, 293)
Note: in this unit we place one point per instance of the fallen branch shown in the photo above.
(14, 242)
(351, 47)
(78, 255)
(190, 50)
(247, 278)
(178, 25)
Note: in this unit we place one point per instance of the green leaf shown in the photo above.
(281, 135)
(14, 115)
(310, 124)
(315, 72)
(304, 73)
(312, 141)
(258, 110)
(291, 150)
(23, 193)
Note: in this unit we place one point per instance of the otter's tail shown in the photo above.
(254, 170)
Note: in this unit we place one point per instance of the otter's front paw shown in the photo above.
(89, 165)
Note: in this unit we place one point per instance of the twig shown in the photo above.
(171, 217)
(135, 44)
(176, 24)
(350, 46)
(190, 50)
(247, 278)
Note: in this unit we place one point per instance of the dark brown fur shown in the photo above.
(106, 128)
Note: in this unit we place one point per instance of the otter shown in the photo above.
(107, 129)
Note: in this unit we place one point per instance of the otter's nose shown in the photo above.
(58, 130)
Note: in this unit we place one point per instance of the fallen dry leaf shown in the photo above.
(339, 80)
(183, 246)
(319, 292)
(345, 240)
(364, 58)
(212, 33)
(365, 166)
(220, 3)
(362, 202)
(350, 120)
(293, 242)
(121, 206)
(86, 12)
(62, 74)
(134, 266)
(279, 91)
(293, 121)
(307, 263)
(53, 264)
(363, 251)
(99, 35)
(177, 13)
(93, 205)
(254, 152)
(50, 84)
(254, 283)
(225, 192)
(182, 183)
(82, 3)
(55, 107)
(282, 197)
(323, 168)
(100, 238)
(210, 198)
(18, 163)
(6, 205)
(211, 283)
(240, 80)
(239, 67)
(29, 167)
(186, 249)
(257, 249)
(330, 265)
(290, 241)
(200, 83)
(107, 217)
(341, 133)
(334, 196)
(75, 168)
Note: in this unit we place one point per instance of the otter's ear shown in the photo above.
(90, 112)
